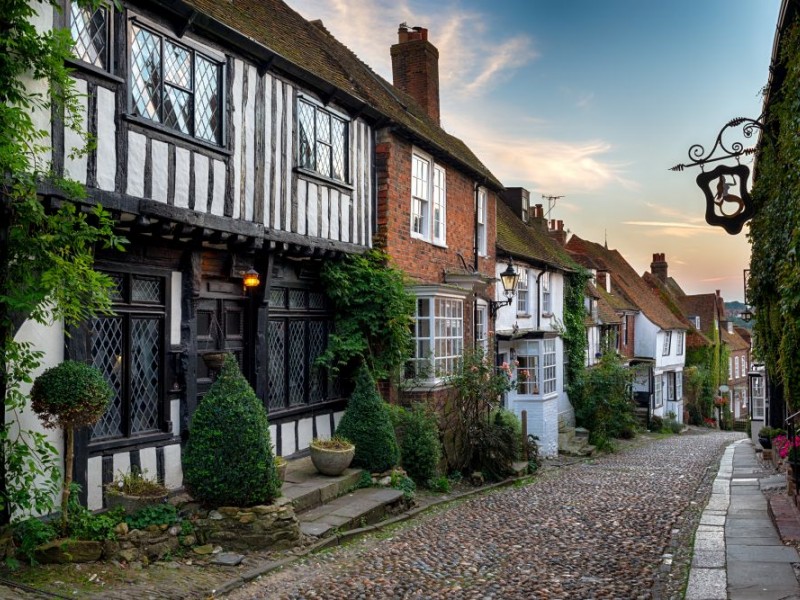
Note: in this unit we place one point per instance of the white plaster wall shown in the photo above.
(236, 105)
(122, 463)
(273, 436)
(542, 422)
(175, 308)
(149, 462)
(94, 483)
(106, 140)
(175, 416)
(137, 146)
(200, 183)
(160, 162)
(305, 433)
(288, 440)
(249, 130)
(50, 340)
(336, 418)
(75, 167)
(218, 199)
(323, 424)
(182, 163)
(42, 19)
(646, 337)
(173, 470)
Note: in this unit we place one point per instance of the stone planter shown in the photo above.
(264, 527)
(331, 461)
(131, 504)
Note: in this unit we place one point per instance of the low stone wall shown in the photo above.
(145, 545)
(253, 528)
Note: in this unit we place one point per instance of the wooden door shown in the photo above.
(222, 325)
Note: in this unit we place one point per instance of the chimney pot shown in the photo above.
(415, 68)
(659, 267)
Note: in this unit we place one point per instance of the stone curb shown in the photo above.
(340, 538)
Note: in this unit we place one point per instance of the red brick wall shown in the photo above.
(627, 350)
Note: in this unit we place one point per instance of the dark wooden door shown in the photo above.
(222, 325)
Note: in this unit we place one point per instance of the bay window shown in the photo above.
(536, 367)
(438, 332)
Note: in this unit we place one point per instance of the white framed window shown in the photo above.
(428, 199)
(658, 395)
(322, 141)
(737, 366)
(757, 395)
(523, 307)
(544, 282)
(667, 343)
(549, 366)
(175, 85)
(680, 343)
(730, 367)
(438, 332)
(528, 368)
(625, 330)
(482, 326)
(525, 207)
(744, 366)
(678, 386)
(481, 218)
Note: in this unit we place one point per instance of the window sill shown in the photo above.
(78, 66)
(150, 439)
(428, 385)
(342, 185)
(523, 315)
(177, 135)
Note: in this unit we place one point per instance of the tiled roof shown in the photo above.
(734, 340)
(665, 294)
(529, 242)
(309, 46)
(703, 306)
(625, 281)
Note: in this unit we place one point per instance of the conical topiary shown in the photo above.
(366, 423)
(228, 459)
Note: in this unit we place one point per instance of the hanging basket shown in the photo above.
(214, 360)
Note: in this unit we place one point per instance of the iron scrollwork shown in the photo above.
(724, 208)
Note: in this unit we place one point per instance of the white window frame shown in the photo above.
(757, 397)
(667, 343)
(482, 326)
(738, 366)
(678, 386)
(680, 343)
(523, 293)
(730, 367)
(547, 297)
(428, 199)
(527, 372)
(438, 336)
(625, 330)
(480, 232)
(549, 368)
(658, 392)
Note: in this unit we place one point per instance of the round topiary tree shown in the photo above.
(70, 395)
(367, 423)
(228, 459)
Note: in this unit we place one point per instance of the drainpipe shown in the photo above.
(475, 268)
(539, 299)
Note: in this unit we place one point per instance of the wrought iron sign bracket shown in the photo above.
(726, 208)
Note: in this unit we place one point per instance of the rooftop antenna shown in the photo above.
(551, 203)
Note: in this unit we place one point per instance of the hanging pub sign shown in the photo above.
(728, 203)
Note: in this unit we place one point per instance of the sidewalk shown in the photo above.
(738, 554)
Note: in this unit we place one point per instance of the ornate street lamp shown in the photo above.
(509, 279)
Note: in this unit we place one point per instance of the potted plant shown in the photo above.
(332, 456)
(134, 490)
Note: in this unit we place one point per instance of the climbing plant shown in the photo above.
(373, 315)
(46, 251)
(774, 285)
(574, 334)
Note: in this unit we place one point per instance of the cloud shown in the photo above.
(585, 100)
(681, 229)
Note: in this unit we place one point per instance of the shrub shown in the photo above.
(420, 449)
(366, 423)
(31, 533)
(440, 485)
(495, 447)
(656, 423)
(70, 395)
(228, 458)
(403, 483)
(505, 417)
(153, 514)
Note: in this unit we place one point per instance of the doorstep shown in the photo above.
(325, 505)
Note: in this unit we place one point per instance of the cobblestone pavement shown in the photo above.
(598, 529)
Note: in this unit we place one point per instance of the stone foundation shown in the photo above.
(254, 528)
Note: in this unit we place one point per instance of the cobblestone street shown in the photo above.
(589, 530)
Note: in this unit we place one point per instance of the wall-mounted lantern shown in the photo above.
(509, 279)
(250, 279)
(728, 203)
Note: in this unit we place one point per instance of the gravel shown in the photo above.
(618, 526)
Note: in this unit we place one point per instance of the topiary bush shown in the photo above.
(228, 459)
(420, 450)
(70, 395)
(366, 423)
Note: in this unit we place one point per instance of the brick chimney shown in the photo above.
(415, 68)
(555, 228)
(659, 267)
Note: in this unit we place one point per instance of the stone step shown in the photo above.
(519, 468)
(308, 489)
(577, 448)
(358, 508)
(581, 433)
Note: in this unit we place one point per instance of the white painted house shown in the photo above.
(528, 331)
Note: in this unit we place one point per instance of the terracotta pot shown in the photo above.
(331, 462)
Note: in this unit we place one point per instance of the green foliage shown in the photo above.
(478, 386)
(440, 485)
(495, 447)
(603, 404)
(656, 423)
(403, 483)
(154, 514)
(85, 525)
(46, 267)
(671, 425)
(136, 483)
(31, 533)
(774, 285)
(574, 334)
(365, 481)
(70, 394)
(699, 392)
(367, 423)
(420, 450)
(228, 459)
(373, 314)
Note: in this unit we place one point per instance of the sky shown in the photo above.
(593, 101)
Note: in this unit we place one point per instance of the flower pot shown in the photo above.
(330, 461)
(766, 443)
(130, 503)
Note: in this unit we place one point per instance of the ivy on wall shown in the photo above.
(574, 328)
(774, 286)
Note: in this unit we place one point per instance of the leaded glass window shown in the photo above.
(322, 141)
(297, 334)
(128, 348)
(175, 85)
(90, 30)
